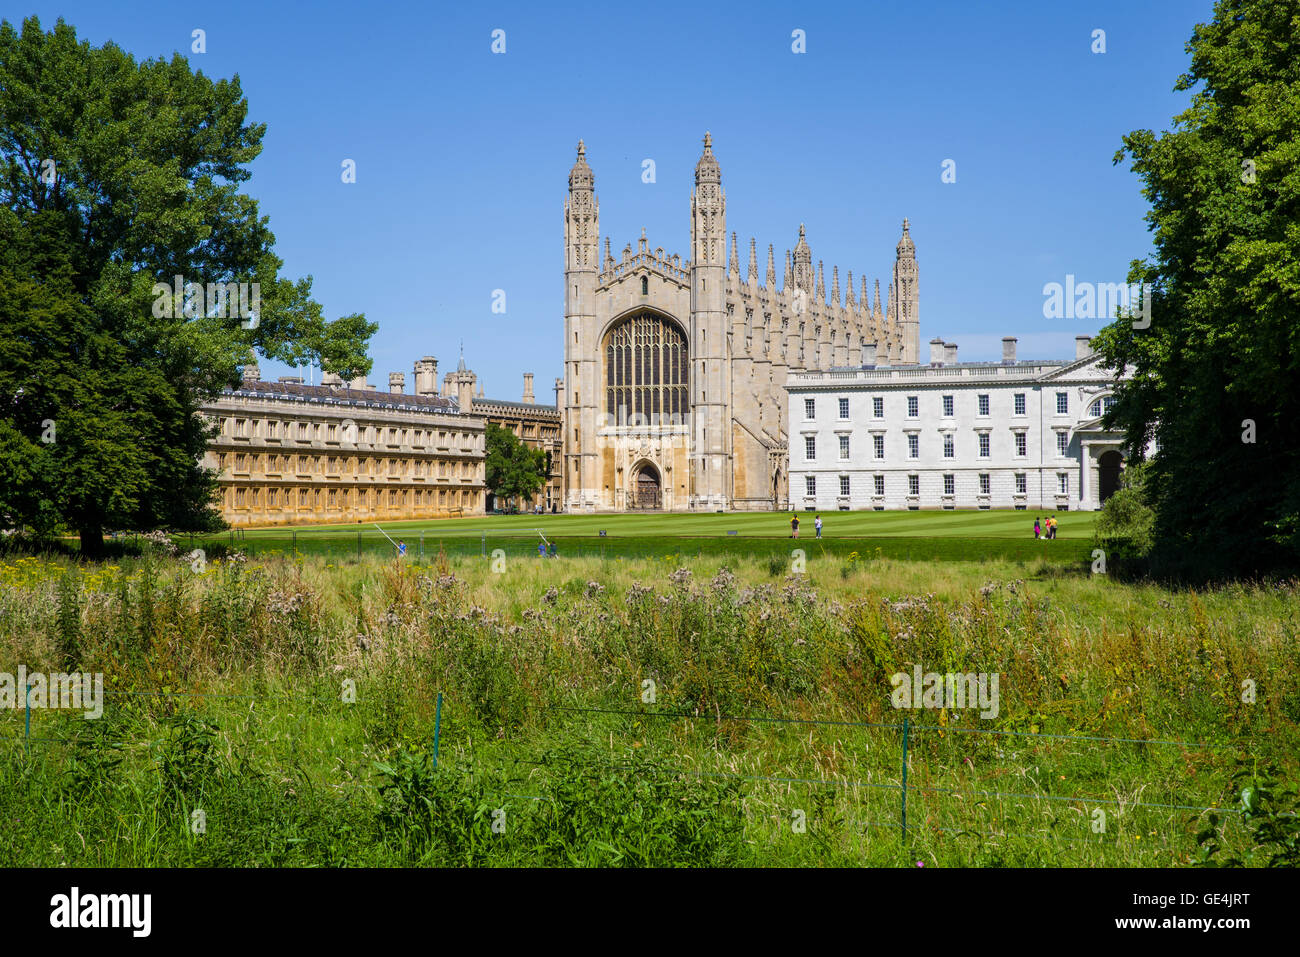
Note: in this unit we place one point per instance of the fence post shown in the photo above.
(437, 728)
(358, 544)
(294, 545)
(421, 544)
(27, 706)
(483, 554)
(906, 730)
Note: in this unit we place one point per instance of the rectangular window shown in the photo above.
(914, 485)
(913, 407)
(1062, 403)
(810, 447)
(1021, 445)
(984, 445)
(878, 446)
(880, 484)
(913, 446)
(1022, 484)
(878, 407)
(948, 448)
(844, 485)
(1062, 443)
(950, 485)
(984, 405)
(810, 484)
(844, 408)
(984, 483)
(1020, 403)
(809, 408)
(844, 446)
(947, 406)
(1063, 483)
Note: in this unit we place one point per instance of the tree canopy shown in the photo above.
(512, 470)
(116, 176)
(1215, 373)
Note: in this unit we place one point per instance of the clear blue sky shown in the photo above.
(462, 155)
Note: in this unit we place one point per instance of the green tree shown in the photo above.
(116, 176)
(512, 470)
(1214, 374)
(1125, 524)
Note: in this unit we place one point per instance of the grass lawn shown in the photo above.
(919, 536)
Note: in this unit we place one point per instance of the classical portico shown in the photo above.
(1100, 464)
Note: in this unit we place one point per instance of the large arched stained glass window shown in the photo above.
(646, 370)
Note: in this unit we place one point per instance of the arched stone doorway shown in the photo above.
(647, 488)
(1109, 465)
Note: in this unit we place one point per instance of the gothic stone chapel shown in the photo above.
(675, 372)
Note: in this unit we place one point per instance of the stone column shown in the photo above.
(1085, 459)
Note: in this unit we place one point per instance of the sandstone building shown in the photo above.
(536, 424)
(675, 369)
(289, 453)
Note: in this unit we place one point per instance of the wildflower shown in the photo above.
(724, 581)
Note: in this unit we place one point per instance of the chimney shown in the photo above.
(396, 382)
(950, 353)
(1082, 347)
(1008, 350)
(528, 389)
(358, 383)
(936, 352)
(869, 354)
(251, 372)
(330, 378)
(426, 376)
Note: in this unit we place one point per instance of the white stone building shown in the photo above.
(1009, 434)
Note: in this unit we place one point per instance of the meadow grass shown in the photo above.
(227, 694)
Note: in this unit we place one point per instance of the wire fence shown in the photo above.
(423, 546)
(903, 763)
(908, 737)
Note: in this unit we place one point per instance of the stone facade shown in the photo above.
(291, 453)
(675, 370)
(536, 425)
(288, 453)
(1014, 434)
